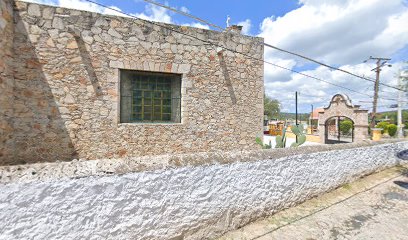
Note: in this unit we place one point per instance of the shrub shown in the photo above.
(383, 125)
(345, 126)
(258, 140)
(392, 129)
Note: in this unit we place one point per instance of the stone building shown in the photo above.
(78, 84)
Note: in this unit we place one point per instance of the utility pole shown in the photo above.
(380, 63)
(296, 106)
(399, 112)
(402, 76)
(311, 120)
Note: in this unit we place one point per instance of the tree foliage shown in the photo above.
(346, 126)
(384, 126)
(392, 129)
(271, 107)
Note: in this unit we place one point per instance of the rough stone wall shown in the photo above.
(67, 81)
(6, 80)
(196, 202)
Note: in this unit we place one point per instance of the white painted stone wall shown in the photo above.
(192, 202)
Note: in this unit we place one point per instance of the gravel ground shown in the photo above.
(374, 207)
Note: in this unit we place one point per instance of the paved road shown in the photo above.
(374, 207)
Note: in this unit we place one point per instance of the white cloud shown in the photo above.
(81, 5)
(341, 33)
(184, 9)
(319, 93)
(197, 25)
(246, 26)
(151, 13)
(155, 13)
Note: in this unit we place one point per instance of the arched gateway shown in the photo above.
(343, 122)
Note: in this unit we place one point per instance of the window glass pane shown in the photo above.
(166, 94)
(167, 101)
(147, 102)
(147, 116)
(166, 109)
(147, 109)
(147, 97)
(147, 94)
(137, 109)
(157, 94)
(157, 102)
(160, 80)
(152, 83)
(144, 84)
(157, 109)
(137, 101)
(166, 117)
(137, 93)
(137, 117)
(157, 117)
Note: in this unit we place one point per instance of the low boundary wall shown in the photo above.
(191, 202)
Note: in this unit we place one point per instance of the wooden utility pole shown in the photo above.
(399, 111)
(296, 106)
(311, 121)
(402, 81)
(380, 63)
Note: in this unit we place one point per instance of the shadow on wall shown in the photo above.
(227, 78)
(87, 61)
(40, 132)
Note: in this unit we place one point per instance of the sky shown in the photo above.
(341, 33)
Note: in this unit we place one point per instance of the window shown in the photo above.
(149, 97)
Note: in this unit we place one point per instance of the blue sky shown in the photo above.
(341, 33)
(216, 11)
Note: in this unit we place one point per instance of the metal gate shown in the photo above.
(339, 129)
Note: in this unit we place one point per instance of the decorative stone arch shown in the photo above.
(341, 106)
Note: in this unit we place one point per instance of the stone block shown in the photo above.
(116, 64)
(48, 13)
(34, 10)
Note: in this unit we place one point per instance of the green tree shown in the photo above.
(346, 126)
(392, 129)
(271, 107)
(384, 126)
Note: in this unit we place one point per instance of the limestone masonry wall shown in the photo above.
(191, 202)
(66, 99)
(6, 80)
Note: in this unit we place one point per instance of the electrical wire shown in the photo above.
(225, 48)
(274, 47)
(185, 14)
(331, 67)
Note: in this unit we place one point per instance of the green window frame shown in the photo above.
(152, 97)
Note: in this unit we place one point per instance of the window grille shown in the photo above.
(149, 97)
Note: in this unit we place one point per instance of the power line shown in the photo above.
(185, 14)
(274, 47)
(308, 95)
(380, 62)
(225, 48)
(331, 67)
